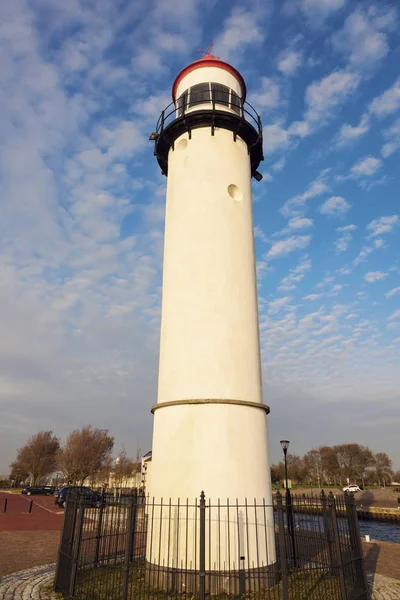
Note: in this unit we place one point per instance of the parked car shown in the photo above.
(353, 487)
(46, 490)
(91, 499)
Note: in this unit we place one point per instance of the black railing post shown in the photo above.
(355, 543)
(76, 549)
(202, 549)
(242, 576)
(338, 549)
(327, 528)
(5, 506)
(289, 513)
(65, 550)
(99, 529)
(282, 547)
(130, 542)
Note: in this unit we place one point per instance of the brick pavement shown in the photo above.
(25, 549)
(34, 584)
(382, 558)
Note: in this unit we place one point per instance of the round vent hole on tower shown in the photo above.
(182, 145)
(235, 192)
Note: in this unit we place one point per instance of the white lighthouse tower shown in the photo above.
(210, 425)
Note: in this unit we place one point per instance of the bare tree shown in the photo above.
(86, 453)
(38, 457)
(329, 464)
(383, 468)
(313, 465)
(354, 460)
(124, 468)
(275, 473)
(18, 472)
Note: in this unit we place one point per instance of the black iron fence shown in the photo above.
(295, 548)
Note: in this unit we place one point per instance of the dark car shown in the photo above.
(90, 498)
(46, 490)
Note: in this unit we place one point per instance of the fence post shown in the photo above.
(282, 546)
(77, 546)
(202, 550)
(30, 506)
(336, 539)
(130, 543)
(242, 576)
(327, 528)
(289, 516)
(99, 528)
(5, 506)
(355, 543)
(65, 549)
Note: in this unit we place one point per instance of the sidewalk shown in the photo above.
(28, 585)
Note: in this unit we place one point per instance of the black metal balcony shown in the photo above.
(217, 110)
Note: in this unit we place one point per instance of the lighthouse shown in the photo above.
(210, 422)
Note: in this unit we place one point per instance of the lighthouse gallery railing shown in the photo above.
(213, 101)
(114, 551)
(214, 110)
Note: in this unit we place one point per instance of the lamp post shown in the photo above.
(285, 447)
(289, 512)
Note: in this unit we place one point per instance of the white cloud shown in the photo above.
(392, 134)
(394, 315)
(295, 275)
(289, 61)
(279, 165)
(284, 247)
(316, 11)
(150, 107)
(392, 292)
(276, 138)
(373, 276)
(366, 167)
(323, 96)
(382, 225)
(295, 205)
(343, 242)
(348, 133)
(312, 297)
(346, 228)
(300, 223)
(299, 128)
(383, 105)
(362, 39)
(388, 102)
(267, 97)
(241, 29)
(276, 305)
(336, 206)
(364, 252)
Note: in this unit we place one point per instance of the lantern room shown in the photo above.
(206, 83)
(209, 93)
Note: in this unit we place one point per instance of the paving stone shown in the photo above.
(28, 585)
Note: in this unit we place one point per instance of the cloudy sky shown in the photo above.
(82, 84)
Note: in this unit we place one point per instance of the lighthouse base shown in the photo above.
(216, 582)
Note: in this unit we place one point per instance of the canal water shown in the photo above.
(383, 532)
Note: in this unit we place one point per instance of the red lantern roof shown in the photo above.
(208, 60)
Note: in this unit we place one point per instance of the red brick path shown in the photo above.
(45, 516)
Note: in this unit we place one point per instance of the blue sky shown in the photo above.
(82, 207)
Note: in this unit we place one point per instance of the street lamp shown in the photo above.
(285, 447)
(289, 510)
